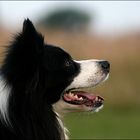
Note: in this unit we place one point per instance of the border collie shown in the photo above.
(37, 79)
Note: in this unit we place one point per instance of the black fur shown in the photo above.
(37, 73)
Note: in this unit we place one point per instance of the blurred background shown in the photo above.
(102, 30)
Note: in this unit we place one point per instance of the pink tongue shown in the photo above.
(85, 94)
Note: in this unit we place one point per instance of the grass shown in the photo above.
(110, 123)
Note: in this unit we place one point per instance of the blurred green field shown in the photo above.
(109, 123)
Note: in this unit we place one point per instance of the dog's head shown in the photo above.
(91, 73)
(50, 75)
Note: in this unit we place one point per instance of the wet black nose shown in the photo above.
(105, 65)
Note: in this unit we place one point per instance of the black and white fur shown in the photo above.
(33, 78)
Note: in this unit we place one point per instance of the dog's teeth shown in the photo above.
(70, 94)
(96, 99)
(76, 96)
(80, 98)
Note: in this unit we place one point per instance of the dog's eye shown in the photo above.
(67, 63)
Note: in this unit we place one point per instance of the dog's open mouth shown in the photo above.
(82, 98)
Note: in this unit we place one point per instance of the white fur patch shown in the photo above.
(97, 109)
(64, 134)
(4, 95)
(90, 75)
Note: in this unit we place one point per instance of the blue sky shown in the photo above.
(109, 15)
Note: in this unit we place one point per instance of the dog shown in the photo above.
(37, 79)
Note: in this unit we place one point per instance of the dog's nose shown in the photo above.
(105, 65)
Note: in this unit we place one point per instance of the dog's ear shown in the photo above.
(24, 55)
(30, 37)
(28, 27)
